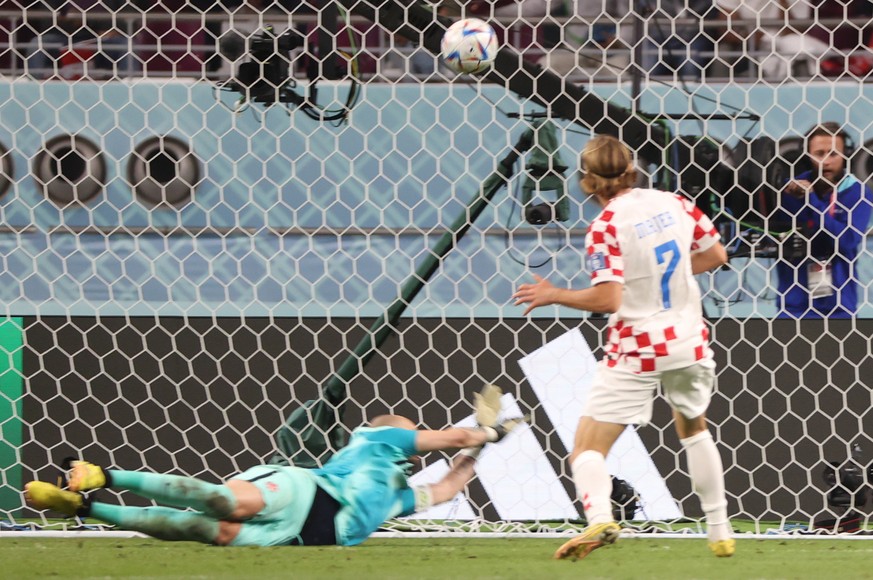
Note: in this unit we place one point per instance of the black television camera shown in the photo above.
(265, 76)
(846, 481)
(625, 500)
(747, 241)
(739, 188)
(848, 489)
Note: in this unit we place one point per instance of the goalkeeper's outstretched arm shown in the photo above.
(489, 430)
(447, 439)
(464, 463)
(463, 470)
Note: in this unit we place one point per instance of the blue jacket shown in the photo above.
(836, 232)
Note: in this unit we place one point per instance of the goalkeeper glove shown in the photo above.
(487, 405)
(495, 433)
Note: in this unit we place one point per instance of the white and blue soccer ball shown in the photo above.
(469, 46)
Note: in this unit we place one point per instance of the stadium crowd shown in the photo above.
(691, 39)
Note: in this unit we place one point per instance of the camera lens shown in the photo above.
(538, 214)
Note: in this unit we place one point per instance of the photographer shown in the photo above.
(832, 208)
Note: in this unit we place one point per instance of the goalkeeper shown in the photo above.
(341, 503)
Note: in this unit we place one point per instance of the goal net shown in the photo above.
(214, 215)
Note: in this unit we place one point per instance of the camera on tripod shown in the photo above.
(544, 172)
(847, 485)
(848, 488)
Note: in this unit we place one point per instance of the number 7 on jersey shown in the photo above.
(661, 251)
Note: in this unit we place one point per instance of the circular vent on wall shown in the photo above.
(163, 171)
(70, 169)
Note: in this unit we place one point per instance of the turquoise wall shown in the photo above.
(410, 158)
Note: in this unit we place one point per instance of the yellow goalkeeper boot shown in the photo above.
(86, 476)
(723, 548)
(48, 496)
(593, 537)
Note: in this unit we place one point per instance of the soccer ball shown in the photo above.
(469, 46)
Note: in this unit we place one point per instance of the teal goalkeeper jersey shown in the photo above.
(369, 478)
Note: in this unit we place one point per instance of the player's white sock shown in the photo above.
(707, 479)
(594, 486)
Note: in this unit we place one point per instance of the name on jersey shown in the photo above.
(659, 223)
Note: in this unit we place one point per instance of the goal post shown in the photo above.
(190, 257)
(11, 396)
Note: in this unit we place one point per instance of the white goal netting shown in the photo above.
(212, 213)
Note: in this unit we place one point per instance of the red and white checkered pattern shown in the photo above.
(621, 246)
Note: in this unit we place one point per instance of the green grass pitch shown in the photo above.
(406, 559)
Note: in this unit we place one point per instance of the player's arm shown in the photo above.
(604, 297)
(463, 470)
(489, 430)
(463, 465)
(711, 258)
(487, 404)
(453, 438)
(844, 231)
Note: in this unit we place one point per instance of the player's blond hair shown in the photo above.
(607, 167)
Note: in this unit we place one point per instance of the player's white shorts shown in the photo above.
(619, 395)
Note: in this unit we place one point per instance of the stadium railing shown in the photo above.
(181, 44)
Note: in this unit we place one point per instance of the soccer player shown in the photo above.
(642, 251)
(341, 503)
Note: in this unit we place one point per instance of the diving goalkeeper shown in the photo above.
(341, 503)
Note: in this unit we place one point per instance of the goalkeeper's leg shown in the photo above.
(213, 500)
(159, 522)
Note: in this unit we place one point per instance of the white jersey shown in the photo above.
(644, 239)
